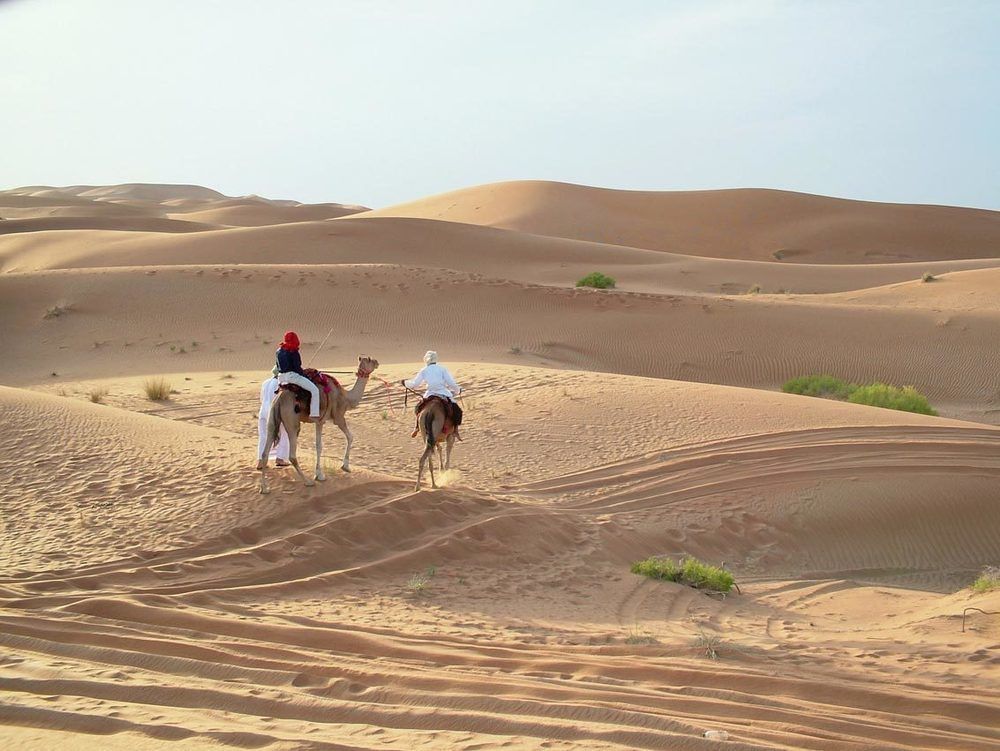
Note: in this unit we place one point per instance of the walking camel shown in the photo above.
(432, 421)
(332, 406)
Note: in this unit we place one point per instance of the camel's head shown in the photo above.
(366, 365)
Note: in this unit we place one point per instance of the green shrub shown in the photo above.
(819, 385)
(928, 277)
(598, 280)
(907, 399)
(690, 571)
(988, 580)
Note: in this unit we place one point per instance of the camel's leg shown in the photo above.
(450, 443)
(341, 423)
(428, 454)
(319, 451)
(440, 456)
(274, 416)
(293, 458)
(430, 463)
(262, 466)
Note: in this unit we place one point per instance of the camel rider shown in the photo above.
(439, 383)
(290, 370)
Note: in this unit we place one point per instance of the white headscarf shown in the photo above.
(431, 357)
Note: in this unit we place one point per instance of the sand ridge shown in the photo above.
(750, 224)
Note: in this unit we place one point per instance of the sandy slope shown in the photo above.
(292, 615)
(229, 316)
(750, 224)
(151, 598)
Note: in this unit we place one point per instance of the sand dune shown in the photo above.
(115, 224)
(257, 216)
(749, 224)
(166, 208)
(531, 259)
(94, 328)
(150, 597)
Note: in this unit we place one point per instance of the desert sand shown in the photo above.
(151, 598)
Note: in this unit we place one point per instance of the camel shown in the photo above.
(431, 421)
(332, 407)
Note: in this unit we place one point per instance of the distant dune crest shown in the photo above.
(744, 223)
(150, 207)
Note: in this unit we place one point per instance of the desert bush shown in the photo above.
(819, 385)
(928, 277)
(907, 399)
(690, 571)
(420, 584)
(754, 290)
(97, 395)
(637, 636)
(596, 280)
(55, 311)
(708, 644)
(988, 580)
(156, 389)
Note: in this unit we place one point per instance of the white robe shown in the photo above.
(438, 379)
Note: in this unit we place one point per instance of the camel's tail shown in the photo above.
(429, 427)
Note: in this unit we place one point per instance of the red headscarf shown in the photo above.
(291, 341)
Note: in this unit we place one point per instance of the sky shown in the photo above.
(382, 101)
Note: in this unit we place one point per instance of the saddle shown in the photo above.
(452, 412)
(302, 396)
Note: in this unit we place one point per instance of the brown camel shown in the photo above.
(332, 406)
(431, 420)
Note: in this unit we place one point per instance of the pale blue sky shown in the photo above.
(379, 102)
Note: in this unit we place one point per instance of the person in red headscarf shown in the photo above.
(290, 369)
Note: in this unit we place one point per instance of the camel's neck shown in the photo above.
(356, 392)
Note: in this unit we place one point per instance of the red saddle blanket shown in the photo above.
(322, 380)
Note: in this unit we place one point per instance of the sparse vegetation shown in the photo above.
(707, 644)
(988, 580)
(97, 395)
(515, 350)
(690, 571)
(420, 584)
(637, 636)
(156, 389)
(754, 290)
(928, 277)
(906, 399)
(55, 311)
(385, 414)
(819, 385)
(597, 280)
